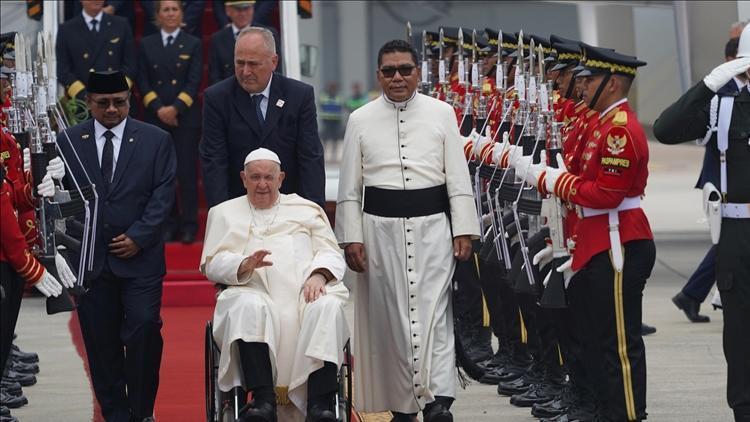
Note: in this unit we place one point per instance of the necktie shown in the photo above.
(169, 40)
(258, 112)
(93, 25)
(108, 158)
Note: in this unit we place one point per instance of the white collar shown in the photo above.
(165, 34)
(267, 91)
(118, 130)
(88, 18)
(740, 83)
(235, 29)
(615, 104)
(402, 103)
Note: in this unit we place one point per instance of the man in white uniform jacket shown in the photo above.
(403, 154)
(280, 321)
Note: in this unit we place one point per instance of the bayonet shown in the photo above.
(425, 64)
(475, 65)
(461, 64)
(408, 32)
(441, 59)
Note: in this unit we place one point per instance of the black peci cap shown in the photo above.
(107, 82)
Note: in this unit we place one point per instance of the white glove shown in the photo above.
(566, 268)
(47, 187)
(56, 168)
(499, 148)
(554, 173)
(543, 257)
(67, 278)
(26, 160)
(725, 72)
(514, 153)
(48, 285)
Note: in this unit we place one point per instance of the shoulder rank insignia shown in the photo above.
(620, 119)
(616, 144)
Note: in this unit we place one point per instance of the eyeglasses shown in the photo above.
(403, 70)
(105, 102)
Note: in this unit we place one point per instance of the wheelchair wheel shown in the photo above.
(343, 405)
(210, 374)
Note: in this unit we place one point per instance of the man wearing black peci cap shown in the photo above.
(132, 165)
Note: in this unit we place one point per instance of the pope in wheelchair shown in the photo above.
(279, 322)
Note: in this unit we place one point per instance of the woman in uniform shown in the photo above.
(169, 74)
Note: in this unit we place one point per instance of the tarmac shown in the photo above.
(686, 366)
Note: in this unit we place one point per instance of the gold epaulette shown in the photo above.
(620, 119)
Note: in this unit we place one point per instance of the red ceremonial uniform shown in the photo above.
(19, 180)
(614, 167)
(13, 247)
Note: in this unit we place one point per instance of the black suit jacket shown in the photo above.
(171, 75)
(79, 51)
(138, 200)
(231, 130)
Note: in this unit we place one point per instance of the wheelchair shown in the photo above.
(226, 406)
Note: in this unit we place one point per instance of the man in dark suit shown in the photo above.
(93, 41)
(259, 108)
(132, 165)
(239, 14)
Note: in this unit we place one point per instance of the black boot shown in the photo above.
(438, 410)
(321, 388)
(690, 307)
(258, 374)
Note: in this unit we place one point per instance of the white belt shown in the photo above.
(614, 226)
(731, 210)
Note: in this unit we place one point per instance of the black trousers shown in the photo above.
(614, 353)
(121, 327)
(699, 284)
(733, 281)
(572, 336)
(184, 215)
(11, 305)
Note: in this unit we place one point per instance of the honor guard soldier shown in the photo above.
(169, 74)
(93, 42)
(615, 250)
(728, 119)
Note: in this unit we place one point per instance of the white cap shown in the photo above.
(743, 49)
(262, 154)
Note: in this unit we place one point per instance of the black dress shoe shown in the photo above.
(8, 418)
(24, 368)
(690, 307)
(437, 413)
(316, 413)
(24, 379)
(187, 238)
(537, 393)
(10, 386)
(13, 401)
(262, 412)
(647, 329)
(4, 410)
(28, 357)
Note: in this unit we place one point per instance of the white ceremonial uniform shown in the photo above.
(269, 306)
(403, 341)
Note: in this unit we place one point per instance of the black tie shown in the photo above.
(108, 158)
(169, 40)
(258, 112)
(93, 25)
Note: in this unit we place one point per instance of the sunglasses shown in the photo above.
(403, 70)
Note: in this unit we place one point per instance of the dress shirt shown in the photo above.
(165, 34)
(266, 93)
(88, 20)
(118, 130)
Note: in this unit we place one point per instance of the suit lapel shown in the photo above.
(244, 105)
(86, 147)
(275, 107)
(127, 147)
(104, 35)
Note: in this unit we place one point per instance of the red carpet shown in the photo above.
(181, 396)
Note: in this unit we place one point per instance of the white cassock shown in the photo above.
(268, 306)
(403, 329)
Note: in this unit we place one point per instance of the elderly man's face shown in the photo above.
(262, 179)
(396, 86)
(253, 63)
(109, 109)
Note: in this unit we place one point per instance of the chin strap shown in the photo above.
(599, 90)
(571, 85)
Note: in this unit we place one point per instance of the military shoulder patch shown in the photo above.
(620, 119)
(616, 144)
